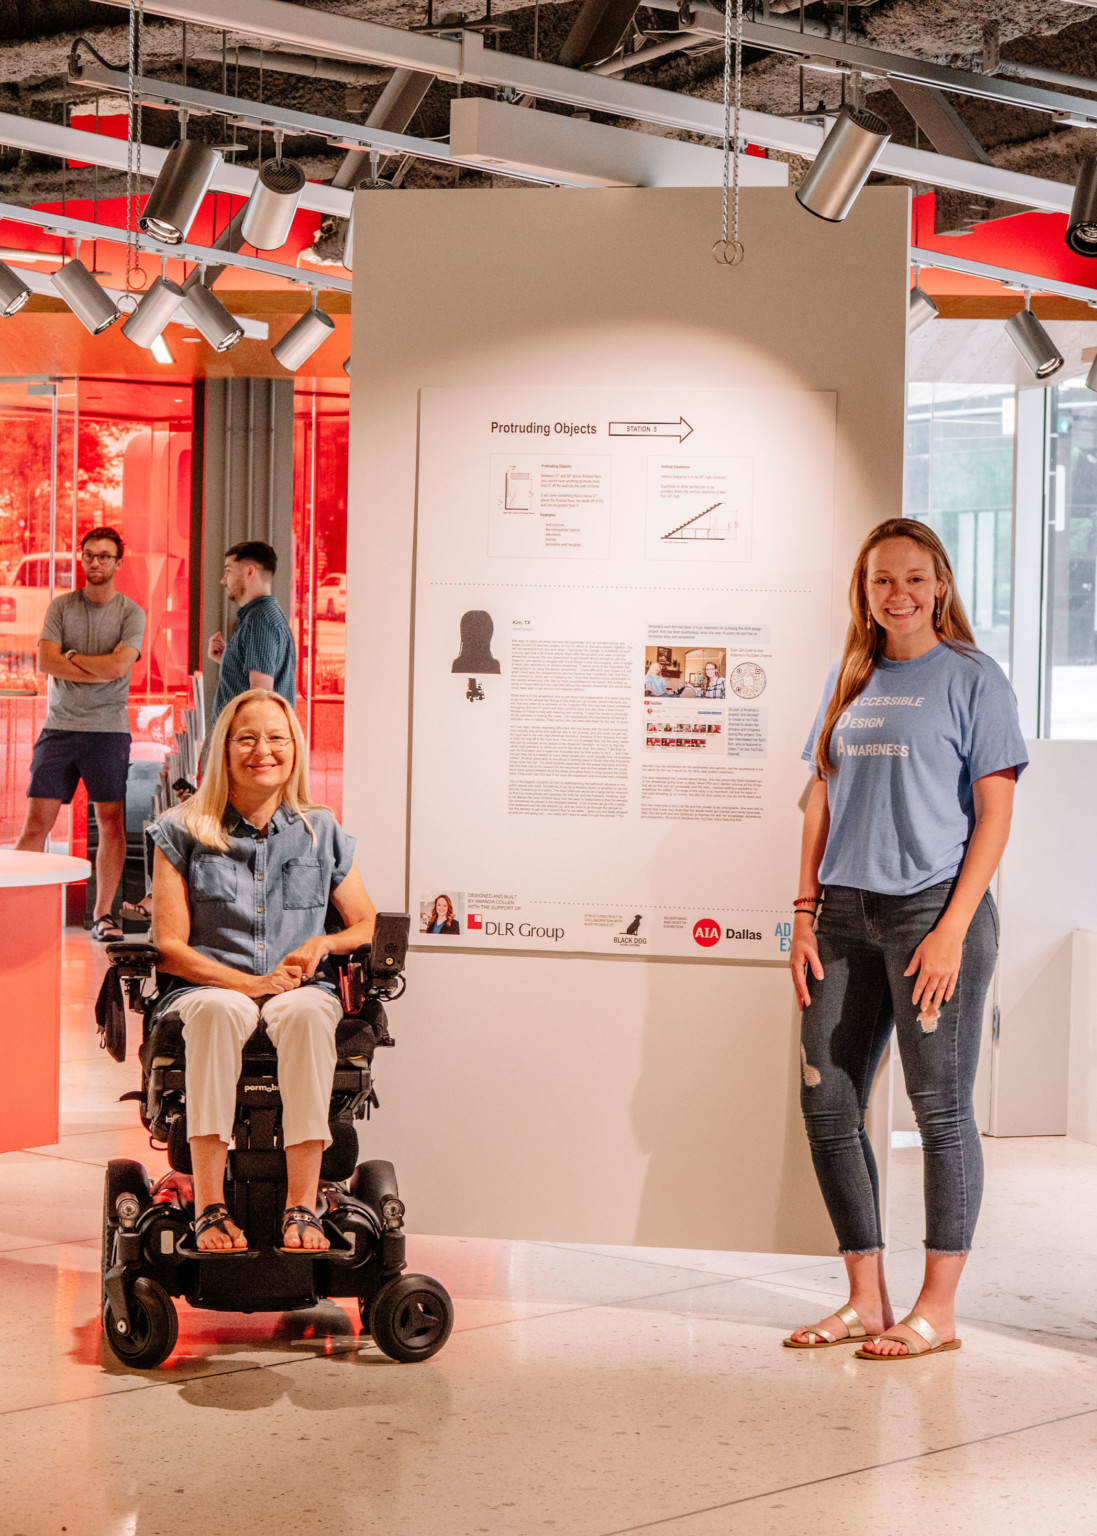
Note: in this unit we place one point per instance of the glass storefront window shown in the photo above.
(319, 611)
(959, 480)
(130, 443)
(1070, 567)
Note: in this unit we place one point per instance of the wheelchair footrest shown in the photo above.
(185, 1249)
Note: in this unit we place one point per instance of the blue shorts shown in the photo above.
(62, 758)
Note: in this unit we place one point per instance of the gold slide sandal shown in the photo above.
(934, 1344)
(821, 1338)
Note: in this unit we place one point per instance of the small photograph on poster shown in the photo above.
(685, 672)
(683, 737)
(442, 913)
(699, 508)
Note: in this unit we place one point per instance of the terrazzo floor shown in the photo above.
(585, 1392)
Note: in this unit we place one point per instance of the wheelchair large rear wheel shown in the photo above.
(154, 1327)
(411, 1318)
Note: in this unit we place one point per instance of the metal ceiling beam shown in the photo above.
(83, 229)
(939, 121)
(682, 42)
(597, 32)
(393, 110)
(466, 59)
(305, 64)
(248, 114)
(876, 63)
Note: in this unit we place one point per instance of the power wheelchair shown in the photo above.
(148, 1247)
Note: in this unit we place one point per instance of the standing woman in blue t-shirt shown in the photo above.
(917, 748)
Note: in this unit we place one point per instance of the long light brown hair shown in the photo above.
(203, 814)
(865, 638)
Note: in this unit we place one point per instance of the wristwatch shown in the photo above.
(70, 654)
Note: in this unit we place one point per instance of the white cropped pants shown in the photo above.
(301, 1026)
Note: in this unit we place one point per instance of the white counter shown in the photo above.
(40, 869)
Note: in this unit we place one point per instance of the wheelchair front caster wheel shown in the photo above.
(153, 1330)
(411, 1318)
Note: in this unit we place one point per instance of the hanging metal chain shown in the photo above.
(135, 274)
(729, 252)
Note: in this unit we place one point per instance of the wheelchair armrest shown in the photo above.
(133, 959)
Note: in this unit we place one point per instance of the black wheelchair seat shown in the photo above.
(148, 1250)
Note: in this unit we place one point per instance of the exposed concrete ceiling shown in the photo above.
(37, 37)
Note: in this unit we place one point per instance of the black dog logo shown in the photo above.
(634, 926)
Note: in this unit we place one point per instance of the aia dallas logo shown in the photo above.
(706, 932)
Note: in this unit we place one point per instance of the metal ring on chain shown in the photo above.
(728, 253)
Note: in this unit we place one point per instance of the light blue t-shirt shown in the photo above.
(906, 753)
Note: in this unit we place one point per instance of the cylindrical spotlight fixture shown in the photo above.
(272, 204)
(206, 311)
(1033, 342)
(85, 298)
(183, 182)
(154, 311)
(303, 338)
(348, 243)
(842, 166)
(1081, 233)
(14, 292)
(346, 367)
(920, 309)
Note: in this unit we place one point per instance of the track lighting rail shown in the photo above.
(466, 59)
(83, 229)
(1008, 277)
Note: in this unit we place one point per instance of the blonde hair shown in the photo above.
(865, 638)
(203, 814)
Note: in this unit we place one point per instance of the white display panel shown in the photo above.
(620, 597)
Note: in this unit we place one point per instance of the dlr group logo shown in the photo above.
(783, 932)
(706, 932)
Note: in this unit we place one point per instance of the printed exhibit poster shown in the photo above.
(622, 614)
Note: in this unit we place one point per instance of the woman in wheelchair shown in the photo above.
(242, 878)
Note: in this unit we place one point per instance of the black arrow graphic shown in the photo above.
(651, 429)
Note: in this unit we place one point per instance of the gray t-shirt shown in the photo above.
(906, 753)
(93, 629)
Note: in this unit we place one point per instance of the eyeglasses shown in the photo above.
(98, 559)
(277, 744)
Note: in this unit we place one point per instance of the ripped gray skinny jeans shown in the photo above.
(866, 941)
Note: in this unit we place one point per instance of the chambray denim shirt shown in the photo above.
(253, 905)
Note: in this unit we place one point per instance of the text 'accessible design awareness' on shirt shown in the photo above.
(850, 720)
(906, 753)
